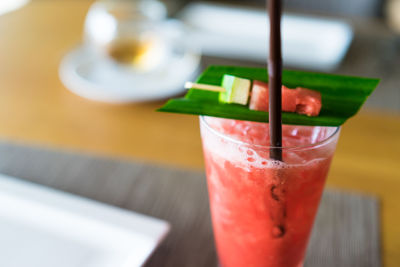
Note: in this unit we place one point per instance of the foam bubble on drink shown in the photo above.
(230, 140)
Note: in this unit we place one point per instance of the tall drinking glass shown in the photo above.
(263, 210)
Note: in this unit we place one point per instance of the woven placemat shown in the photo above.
(346, 232)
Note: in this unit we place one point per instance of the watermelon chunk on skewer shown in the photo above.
(308, 102)
(299, 100)
(259, 94)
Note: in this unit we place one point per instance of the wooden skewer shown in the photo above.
(190, 85)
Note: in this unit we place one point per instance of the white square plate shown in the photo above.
(233, 32)
(44, 227)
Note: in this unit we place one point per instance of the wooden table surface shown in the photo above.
(35, 108)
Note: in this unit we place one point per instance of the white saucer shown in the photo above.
(11, 5)
(95, 78)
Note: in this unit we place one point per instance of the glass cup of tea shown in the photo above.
(127, 33)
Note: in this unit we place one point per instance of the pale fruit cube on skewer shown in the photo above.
(237, 90)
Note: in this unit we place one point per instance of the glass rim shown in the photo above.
(307, 146)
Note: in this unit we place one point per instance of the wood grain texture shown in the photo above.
(346, 231)
(35, 108)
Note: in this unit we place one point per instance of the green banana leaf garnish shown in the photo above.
(342, 96)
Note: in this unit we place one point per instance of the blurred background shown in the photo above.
(87, 76)
(357, 38)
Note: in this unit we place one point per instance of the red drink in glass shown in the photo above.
(263, 210)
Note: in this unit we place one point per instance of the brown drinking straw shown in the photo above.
(275, 79)
(278, 199)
